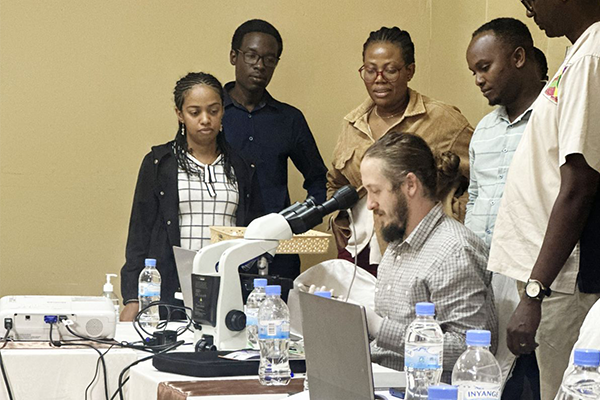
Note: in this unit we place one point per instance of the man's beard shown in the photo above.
(395, 230)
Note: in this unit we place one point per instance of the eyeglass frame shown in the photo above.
(378, 74)
(528, 5)
(258, 59)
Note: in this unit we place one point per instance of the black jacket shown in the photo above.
(154, 223)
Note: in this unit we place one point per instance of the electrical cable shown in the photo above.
(96, 372)
(119, 390)
(136, 320)
(143, 346)
(355, 253)
(101, 356)
(4, 375)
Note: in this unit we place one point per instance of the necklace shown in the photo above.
(389, 116)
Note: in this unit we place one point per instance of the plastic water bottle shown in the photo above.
(443, 392)
(149, 291)
(255, 299)
(583, 383)
(327, 295)
(423, 352)
(109, 293)
(476, 372)
(274, 339)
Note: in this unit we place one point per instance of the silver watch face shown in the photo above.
(533, 289)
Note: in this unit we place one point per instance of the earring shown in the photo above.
(182, 129)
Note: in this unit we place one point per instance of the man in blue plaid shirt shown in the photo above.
(431, 257)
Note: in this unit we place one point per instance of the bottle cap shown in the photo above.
(425, 308)
(260, 282)
(587, 357)
(273, 290)
(326, 294)
(442, 392)
(150, 262)
(479, 338)
(108, 287)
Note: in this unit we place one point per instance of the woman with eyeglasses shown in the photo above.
(185, 186)
(388, 67)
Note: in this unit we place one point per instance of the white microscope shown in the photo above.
(217, 295)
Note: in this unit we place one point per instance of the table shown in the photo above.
(61, 373)
(146, 383)
(37, 370)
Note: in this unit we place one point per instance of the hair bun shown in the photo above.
(447, 165)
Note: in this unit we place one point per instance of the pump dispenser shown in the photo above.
(109, 293)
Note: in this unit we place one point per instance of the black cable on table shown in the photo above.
(119, 390)
(101, 356)
(96, 372)
(4, 375)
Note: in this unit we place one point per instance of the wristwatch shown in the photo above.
(534, 289)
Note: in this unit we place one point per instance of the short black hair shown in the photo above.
(541, 62)
(255, 25)
(511, 31)
(395, 36)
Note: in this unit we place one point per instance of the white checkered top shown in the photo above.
(206, 198)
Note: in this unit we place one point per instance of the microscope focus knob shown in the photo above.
(235, 320)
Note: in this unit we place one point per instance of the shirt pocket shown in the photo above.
(348, 164)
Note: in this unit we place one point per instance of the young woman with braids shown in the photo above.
(388, 66)
(184, 186)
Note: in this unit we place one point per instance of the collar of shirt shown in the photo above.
(501, 113)
(359, 116)
(419, 235)
(591, 30)
(267, 100)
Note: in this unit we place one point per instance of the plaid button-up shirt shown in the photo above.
(441, 262)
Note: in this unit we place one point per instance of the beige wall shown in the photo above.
(85, 90)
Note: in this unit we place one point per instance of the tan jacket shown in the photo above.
(442, 126)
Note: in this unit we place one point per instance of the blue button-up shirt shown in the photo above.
(492, 147)
(267, 136)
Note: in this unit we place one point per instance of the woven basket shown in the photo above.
(311, 242)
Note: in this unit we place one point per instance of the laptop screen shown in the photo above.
(338, 357)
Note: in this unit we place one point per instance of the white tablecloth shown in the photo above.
(61, 373)
(64, 373)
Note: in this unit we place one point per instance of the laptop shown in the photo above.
(184, 260)
(336, 345)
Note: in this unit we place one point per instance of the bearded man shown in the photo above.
(431, 257)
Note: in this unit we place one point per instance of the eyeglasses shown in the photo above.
(390, 74)
(528, 5)
(252, 58)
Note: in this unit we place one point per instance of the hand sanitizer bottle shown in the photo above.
(110, 294)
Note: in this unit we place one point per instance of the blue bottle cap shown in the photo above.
(425, 308)
(325, 294)
(273, 290)
(587, 357)
(260, 282)
(442, 392)
(150, 262)
(479, 338)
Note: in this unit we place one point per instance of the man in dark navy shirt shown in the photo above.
(267, 132)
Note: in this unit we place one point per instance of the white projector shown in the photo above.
(92, 317)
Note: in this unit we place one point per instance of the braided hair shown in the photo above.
(395, 36)
(180, 145)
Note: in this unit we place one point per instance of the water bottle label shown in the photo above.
(251, 319)
(149, 290)
(274, 330)
(251, 316)
(422, 358)
(476, 392)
